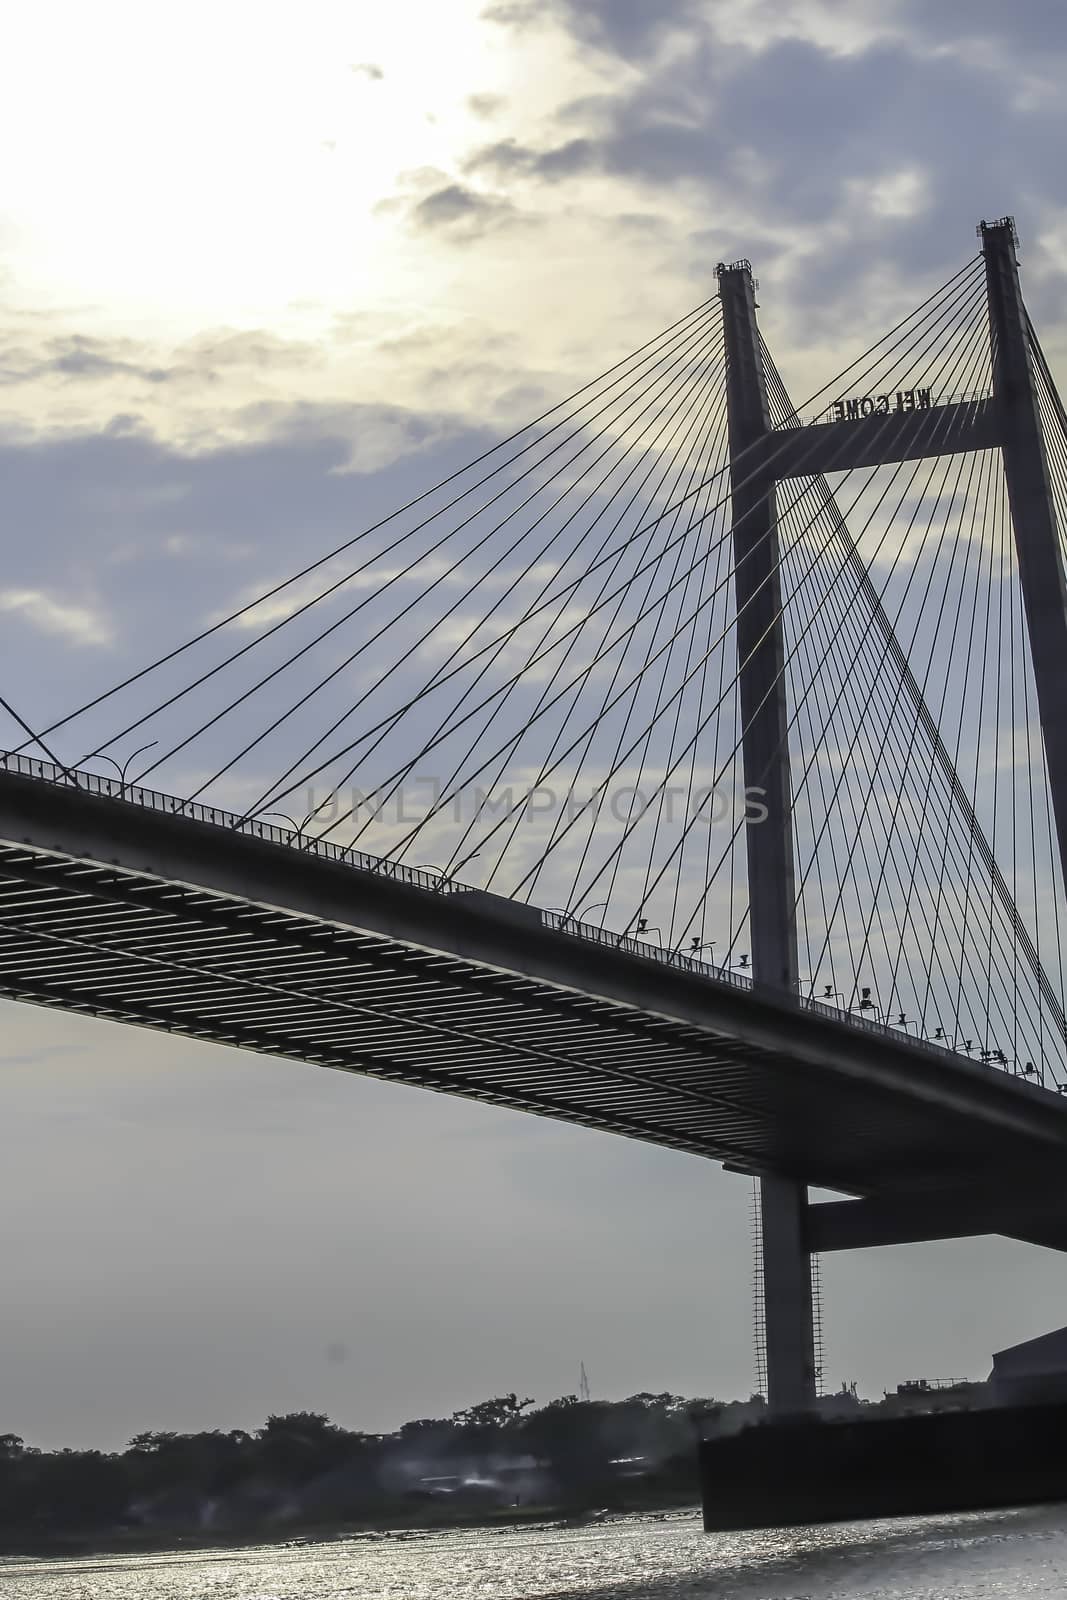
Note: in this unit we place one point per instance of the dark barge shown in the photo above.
(790, 1473)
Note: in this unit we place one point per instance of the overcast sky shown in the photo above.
(264, 270)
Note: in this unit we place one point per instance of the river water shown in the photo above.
(973, 1557)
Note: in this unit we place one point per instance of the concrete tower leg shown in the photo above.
(771, 877)
(787, 1301)
(1033, 514)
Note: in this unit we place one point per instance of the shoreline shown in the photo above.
(156, 1542)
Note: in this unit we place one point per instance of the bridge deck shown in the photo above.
(129, 911)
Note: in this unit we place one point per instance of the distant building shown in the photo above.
(926, 1395)
(1034, 1370)
(844, 1403)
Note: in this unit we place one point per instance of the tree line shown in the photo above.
(302, 1470)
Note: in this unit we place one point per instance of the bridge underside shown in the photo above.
(116, 911)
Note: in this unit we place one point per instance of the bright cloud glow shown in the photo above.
(252, 209)
(77, 624)
(228, 163)
(898, 194)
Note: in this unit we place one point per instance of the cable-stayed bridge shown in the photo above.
(689, 765)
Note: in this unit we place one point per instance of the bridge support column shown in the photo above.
(1033, 515)
(787, 1302)
(760, 636)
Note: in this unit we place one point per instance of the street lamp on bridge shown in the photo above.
(297, 827)
(125, 766)
(566, 915)
(444, 876)
(865, 1003)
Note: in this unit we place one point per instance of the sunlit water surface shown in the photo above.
(1015, 1554)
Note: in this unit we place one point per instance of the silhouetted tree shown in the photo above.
(78, 1489)
(300, 1445)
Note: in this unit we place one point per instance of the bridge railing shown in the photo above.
(638, 947)
(154, 800)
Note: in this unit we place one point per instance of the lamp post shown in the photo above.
(574, 916)
(865, 1003)
(444, 877)
(125, 766)
(297, 827)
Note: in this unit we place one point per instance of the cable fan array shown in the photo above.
(526, 679)
(919, 775)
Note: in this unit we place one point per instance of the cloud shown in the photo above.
(374, 437)
(367, 69)
(900, 194)
(486, 105)
(630, 28)
(435, 203)
(507, 158)
(247, 386)
(67, 381)
(334, 573)
(1033, 33)
(459, 210)
(817, 138)
(229, 348)
(78, 357)
(184, 536)
(982, 31)
(79, 625)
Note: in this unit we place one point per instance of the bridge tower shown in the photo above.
(1033, 515)
(761, 654)
(1011, 421)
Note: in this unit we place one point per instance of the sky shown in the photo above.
(264, 271)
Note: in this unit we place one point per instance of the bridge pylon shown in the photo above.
(764, 711)
(1033, 515)
(1010, 420)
